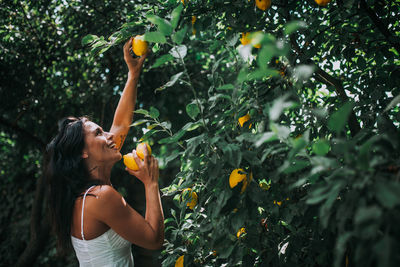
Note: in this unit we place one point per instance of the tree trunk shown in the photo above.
(39, 227)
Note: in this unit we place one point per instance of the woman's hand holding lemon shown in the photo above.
(144, 166)
(134, 64)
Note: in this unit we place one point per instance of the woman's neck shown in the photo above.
(101, 173)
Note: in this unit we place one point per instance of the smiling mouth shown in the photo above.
(112, 146)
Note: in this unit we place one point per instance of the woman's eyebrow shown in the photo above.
(98, 128)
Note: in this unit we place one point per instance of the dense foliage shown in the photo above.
(306, 105)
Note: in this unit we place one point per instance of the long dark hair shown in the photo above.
(67, 176)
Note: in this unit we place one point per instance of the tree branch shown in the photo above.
(326, 78)
(24, 132)
(380, 25)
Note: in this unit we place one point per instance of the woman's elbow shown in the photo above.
(157, 244)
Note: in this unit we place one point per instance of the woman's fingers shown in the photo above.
(127, 46)
(136, 158)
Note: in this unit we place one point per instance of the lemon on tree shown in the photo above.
(245, 40)
(193, 197)
(139, 45)
(237, 176)
(241, 232)
(179, 261)
(263, 4)
(243, 119)
(322, 2)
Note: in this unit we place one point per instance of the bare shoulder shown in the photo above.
(106, 193)
(108, 201)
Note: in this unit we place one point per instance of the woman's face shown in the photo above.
(100, 148)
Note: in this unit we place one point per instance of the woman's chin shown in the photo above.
(118, 156)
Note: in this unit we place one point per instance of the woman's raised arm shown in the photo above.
(124, 113)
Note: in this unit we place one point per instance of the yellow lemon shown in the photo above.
(139, 46)
(140, 150)
(243, 119)
(278, 202)
(237, 176)
(246, 182)
(241, 232)
(263, 4)
(179, 261)
(130, 162)
(322, 2)
(245, 38)
(193, 198)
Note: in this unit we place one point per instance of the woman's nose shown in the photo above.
(110, 135)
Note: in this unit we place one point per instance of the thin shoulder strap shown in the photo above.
(83, 206)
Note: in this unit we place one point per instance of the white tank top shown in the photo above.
(108, 249)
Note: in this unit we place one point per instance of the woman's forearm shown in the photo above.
(154, 213)
(124, 113)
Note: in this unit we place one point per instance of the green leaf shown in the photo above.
(179, 35)
(282, 132)
(178, 52)
(191, 126)
(303, 72)
(321, 147)
(162, 60)
(192, 110)
(228, 86)
(384, 249)
(367, 214)
(175, 15)
(139, 122)
(388, 193)
(155, 37)
(154, 113)
(172, 139)
(164, 26)
(393, 103)
(338, 120)
(173, 80)
(142, 111)
(266, 137)
(295, 166)
(279, 106)
(318, 195)
(294, 26)
(90, 38)
(265, 55)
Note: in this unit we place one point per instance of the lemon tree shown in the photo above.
(319, 147)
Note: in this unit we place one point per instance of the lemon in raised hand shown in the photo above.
(139, 45)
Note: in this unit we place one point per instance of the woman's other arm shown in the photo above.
(124, 113)
(112, 209)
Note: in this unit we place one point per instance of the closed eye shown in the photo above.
(98, 131)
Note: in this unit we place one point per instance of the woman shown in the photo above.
(86, 210)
